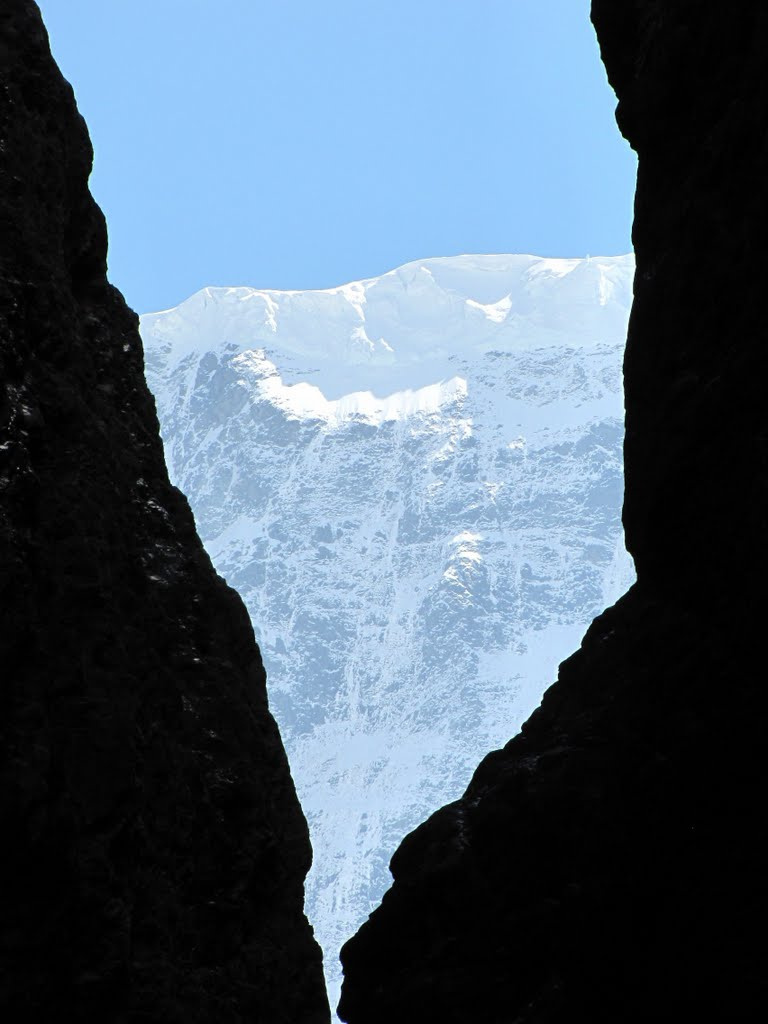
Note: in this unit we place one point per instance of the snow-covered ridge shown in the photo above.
(407, 327)
(306, 401)
(415, 483)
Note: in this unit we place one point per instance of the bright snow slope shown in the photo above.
(415, 483)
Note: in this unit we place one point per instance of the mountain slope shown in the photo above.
(415, 484)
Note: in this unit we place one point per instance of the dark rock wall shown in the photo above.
(693, 101)
(609, 864)
(153, 850)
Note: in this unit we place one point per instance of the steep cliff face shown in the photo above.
(153, 851)
(608, 864)
(415, 566)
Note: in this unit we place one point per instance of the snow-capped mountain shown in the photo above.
(415, 483)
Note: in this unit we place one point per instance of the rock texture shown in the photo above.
(153, 850)
(608, 865)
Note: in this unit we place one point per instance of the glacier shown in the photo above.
(415, 483)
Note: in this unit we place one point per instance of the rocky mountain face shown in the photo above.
(608, 864)
(415, 483)
(153, 851)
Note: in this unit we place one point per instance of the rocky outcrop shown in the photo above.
(153, 850)
(608, 865)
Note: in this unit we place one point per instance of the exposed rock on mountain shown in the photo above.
(415, 483)
(608, 865)
(153, 851)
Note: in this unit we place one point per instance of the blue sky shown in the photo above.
(302, 143)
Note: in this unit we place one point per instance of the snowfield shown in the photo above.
(415, 483)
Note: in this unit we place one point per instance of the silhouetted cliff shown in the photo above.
(608, 865)
(153, 850)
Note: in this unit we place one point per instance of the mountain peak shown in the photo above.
(409, 326)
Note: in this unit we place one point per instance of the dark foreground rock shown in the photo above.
(153, 850)
(609, 865)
